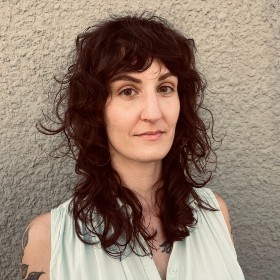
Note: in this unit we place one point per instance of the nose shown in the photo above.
(151, 110)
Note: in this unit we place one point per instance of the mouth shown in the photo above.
(150, 135)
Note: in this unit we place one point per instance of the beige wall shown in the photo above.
(238, 50)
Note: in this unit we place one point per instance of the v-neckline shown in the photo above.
(150, 268)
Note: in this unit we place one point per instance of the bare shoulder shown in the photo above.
(224, 209)
(36, 245)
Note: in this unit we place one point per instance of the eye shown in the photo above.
(128, 92)
(166, 89)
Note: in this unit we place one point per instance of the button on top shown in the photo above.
(173, 270)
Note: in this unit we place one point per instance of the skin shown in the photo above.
(140, 115)
(36, 247)
(138, 108)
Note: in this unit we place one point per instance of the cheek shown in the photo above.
(109, 116)
(118, 120)
(174, 110)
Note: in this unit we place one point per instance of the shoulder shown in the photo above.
(41, 223)
(216, 201)
(222, 205)
(36, 245)
(224, 210)
(39, 230)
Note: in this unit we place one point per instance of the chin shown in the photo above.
(151, 157)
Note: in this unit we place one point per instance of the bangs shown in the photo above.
(133, 46)
(129, 57)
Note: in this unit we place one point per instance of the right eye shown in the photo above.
(128, 92)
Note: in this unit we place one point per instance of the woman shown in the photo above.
(140, 210)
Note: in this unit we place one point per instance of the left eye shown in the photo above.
(166, 89)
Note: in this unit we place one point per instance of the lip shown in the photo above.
(150, 135)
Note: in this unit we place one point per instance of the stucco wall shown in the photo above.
(238, 51)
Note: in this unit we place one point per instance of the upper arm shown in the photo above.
(36, 244)
(225, 212)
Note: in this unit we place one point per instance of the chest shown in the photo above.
(161, 257)
(160, 249)
(207, 253)
(189, 260)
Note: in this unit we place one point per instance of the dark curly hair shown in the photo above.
(124, 44)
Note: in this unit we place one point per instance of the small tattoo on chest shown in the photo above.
(166, 247)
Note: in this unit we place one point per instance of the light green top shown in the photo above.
(207, 254)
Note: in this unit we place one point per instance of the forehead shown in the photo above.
(156, 70)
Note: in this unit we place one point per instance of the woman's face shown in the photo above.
(141, 114)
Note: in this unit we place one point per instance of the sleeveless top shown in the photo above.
(207, 254)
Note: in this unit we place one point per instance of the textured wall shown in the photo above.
(238, 50)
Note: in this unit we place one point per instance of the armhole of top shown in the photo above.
(54, 235)
(210, 198)
(58, 216)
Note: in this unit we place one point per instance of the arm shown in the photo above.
(224, 209)
(36, 244)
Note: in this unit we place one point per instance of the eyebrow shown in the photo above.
(138, 81)
(164, 76)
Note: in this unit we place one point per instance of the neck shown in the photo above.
(140, 178)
